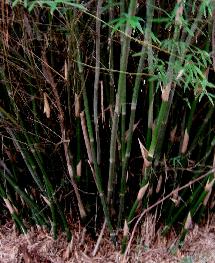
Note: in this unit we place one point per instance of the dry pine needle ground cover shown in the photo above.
(39, 246)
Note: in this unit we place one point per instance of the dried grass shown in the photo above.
(39, 246)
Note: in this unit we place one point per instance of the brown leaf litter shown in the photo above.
(39, 246)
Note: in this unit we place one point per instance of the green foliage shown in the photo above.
(207, 7)
(53, 5)
(190, 73)
(133, 21)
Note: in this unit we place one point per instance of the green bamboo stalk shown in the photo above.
(111, 60)
(7, 91)
(35, 113)
(118, 104)
(123, 96)
(8, 116)
(32, 168)
(168, 91)
(122, 27)
(96, 81)
(150, 111)
(167, 97)
(96, 167)
(19, 222)
(13, 210)
(193, 203)
(201, 128)
(149, 17)
(76, 91)
(98, 179)
(185, 141)
(39, 215)
(195, 206)
(213, 37)
(78, 133)
(209, 150)
(49, 189)
(193, 107)
(61, 118)
(137, 201)
(150, 12)
(64, 223)
(123, 129)
(27, 159)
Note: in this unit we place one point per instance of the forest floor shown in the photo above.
(39, 246)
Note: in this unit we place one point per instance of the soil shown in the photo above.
(39, 246)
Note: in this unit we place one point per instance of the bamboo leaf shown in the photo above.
(15, 2)
(144, 153)
(25, 3)
(185, 142)
(158, 188)
(142, 192)
(155, 39)
(78, 168)
(125, 229)
(188, 222)
(46, 110)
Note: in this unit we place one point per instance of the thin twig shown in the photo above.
(99, 240)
